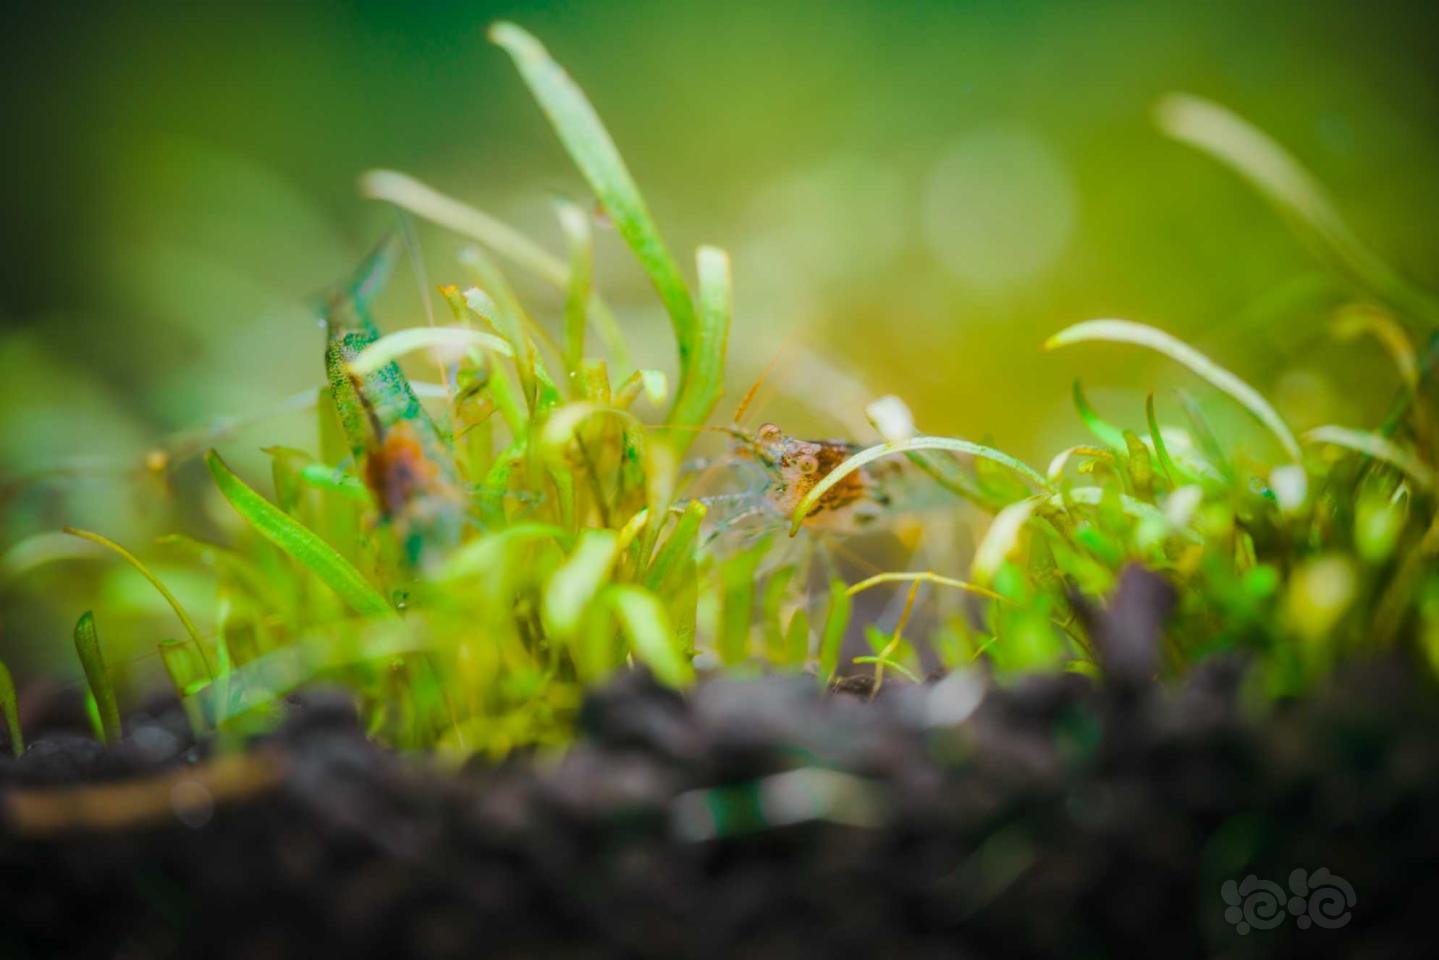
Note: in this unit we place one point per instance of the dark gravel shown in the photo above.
(1055, 817)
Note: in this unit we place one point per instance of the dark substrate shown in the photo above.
(1058, 817)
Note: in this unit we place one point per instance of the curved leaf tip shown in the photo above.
(1143, 335)
(515, 38)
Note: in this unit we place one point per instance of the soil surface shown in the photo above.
(1053, 817)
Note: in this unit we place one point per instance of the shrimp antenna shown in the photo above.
(764, 375)
(702, 427)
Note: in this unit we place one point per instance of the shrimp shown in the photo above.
(795, 466)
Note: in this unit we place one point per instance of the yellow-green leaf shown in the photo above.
(647, 626)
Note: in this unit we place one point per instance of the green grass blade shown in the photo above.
(490, 495)
(285, 465)
(323, 477)
(495, 301)
(578, 581)
(1378, 447)
(955, 482)
(41, 549)
(155, 581)
(1141, 466)
(772, 598)
(1160, 450)
(410, 194)
(576, 226)
(235, 567)
(92, 660)
(737, 577)
(677, 549)
(486, 555)
(836, 619)
(563, 424)
(423, 201)
(1217, 466)
(647, 626)
(186, 675)
(869, 454)
(298, 541)
(10, 710)
(1357, 320)
(329, 649)
(1256, 157)
(1108, 433)
(92, 713)
(796, 640)
(1131, 506)
(700, 389)
(1139, 334)
(594, 152)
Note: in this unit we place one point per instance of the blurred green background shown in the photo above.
(915, 195)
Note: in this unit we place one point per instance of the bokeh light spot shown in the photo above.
(999, 208)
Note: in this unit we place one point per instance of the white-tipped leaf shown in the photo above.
(446, 342)
(891, 417)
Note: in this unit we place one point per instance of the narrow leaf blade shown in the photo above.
(836, 619)
(145, 572)
(647, 626)
(10, 710)
(594, 152)
(1275, 173)
(704, 381)
(92, 660)
(298, 541)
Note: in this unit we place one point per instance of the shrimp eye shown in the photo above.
(769, 433)
(807, 464)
